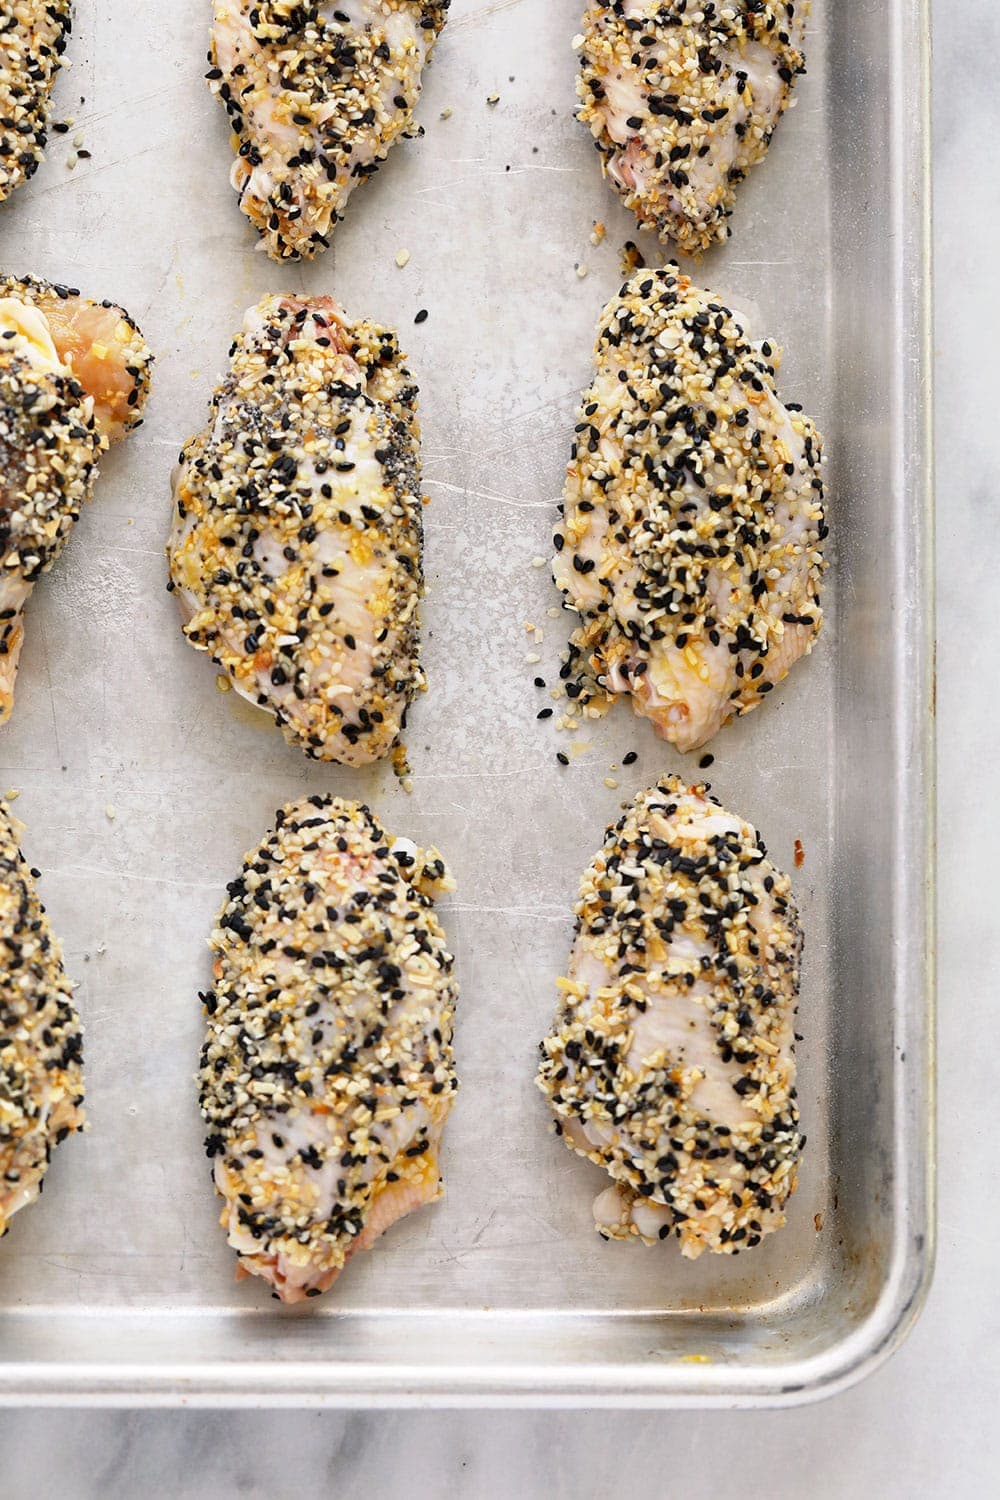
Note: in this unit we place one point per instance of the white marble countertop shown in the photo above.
(925, 1424)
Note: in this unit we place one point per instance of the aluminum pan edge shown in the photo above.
(503, 1377)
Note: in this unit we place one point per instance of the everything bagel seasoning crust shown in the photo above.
(670, 1062)
(296, 548)
(101, 343)
(41, 1046)
(33, 37)
(74, 377)
(692, 529)
(316, 95)
(327, 1070)
(682, 99)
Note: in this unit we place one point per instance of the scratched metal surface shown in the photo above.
(118, 1285)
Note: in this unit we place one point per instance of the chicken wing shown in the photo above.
(32, 40)
(316, 94)
(74, 377)
(297, 538)
(670, 1062)
(692, 527)
(683, 100)
(41, 1071)
(327, 1070)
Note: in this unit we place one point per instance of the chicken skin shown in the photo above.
(297, 539)
(692, 526)
(74, 377)
(327, 1070)
(317, 94)
(670, 1062)
(41, 1072)
(683, 100)
(32, 41)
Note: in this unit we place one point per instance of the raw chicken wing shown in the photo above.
(691, 537)
(327, 1069)
(74, 377)
(32, 41)
(41, 1073)
(683, 98)
(670, 1061)
(296, 547)
(317, 94)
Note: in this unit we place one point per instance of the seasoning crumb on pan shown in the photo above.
(402, 769)
(630, 258)
(670, 1062)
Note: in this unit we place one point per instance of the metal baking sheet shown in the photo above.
(118, 1287)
